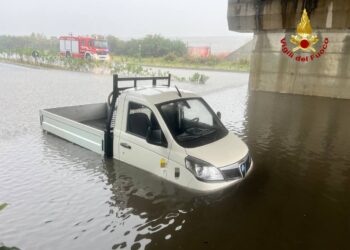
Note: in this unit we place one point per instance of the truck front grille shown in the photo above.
(232, 174)
(236, 170)
(102, 53)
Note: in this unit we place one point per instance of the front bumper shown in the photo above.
(101, 57)
(201, 186)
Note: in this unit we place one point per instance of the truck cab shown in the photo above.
(171, 133)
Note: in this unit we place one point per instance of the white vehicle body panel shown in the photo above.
(67, 122)
(62, 46)
(221, 153)
(71, 46)
(100, 57)
(75, 47)
(141, 154)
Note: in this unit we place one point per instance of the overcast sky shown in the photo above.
(124, 18)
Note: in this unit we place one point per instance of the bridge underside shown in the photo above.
(272, 70)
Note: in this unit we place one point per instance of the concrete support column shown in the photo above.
(328, 75)
(271, 20)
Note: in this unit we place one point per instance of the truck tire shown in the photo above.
(88, 57)
(109, 100)
(68, 55)
(35, 54)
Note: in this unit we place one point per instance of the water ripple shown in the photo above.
(61, 196)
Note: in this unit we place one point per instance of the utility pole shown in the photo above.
(140, 52)
(71, 37)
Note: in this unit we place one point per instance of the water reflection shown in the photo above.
(308, 134)
(141, 206)
(61, 196)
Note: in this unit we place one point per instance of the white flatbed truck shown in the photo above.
(171, 133)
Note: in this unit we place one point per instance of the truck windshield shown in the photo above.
(101, 44)
(191, 122)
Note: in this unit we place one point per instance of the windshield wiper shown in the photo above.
(186, 137)
(192, 134)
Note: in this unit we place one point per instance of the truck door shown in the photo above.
(133, 147)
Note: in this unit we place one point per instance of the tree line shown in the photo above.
(149, 46)
(29, 43)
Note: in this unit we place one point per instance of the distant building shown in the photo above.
(243, 53)
(222, 55)
(218, 44)
(202, 52)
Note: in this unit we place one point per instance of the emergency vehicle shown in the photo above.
(90, 48)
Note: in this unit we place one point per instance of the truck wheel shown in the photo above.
(35, 54)
(88, 57)
(109, 100)
(68, 55)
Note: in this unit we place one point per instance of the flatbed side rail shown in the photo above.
(116, 92)
(73, 131)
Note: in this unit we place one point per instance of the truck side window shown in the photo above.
(140, 119)
(83, 43)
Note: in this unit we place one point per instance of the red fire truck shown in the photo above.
(90, 48)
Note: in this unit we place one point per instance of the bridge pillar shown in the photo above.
(327, 74)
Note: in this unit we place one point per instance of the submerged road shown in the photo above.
(61, 196)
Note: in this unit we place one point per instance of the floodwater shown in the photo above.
(62, 196)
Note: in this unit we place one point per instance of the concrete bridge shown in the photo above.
(285, 67)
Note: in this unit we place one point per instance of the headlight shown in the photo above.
(203, 170)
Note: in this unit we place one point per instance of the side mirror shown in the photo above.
(156, 137)
(219, 114)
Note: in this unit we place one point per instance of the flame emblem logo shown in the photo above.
(304, 38)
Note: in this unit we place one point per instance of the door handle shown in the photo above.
(125, 145)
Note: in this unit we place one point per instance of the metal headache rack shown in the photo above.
(115, 93)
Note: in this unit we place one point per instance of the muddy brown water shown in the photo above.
(61, 196)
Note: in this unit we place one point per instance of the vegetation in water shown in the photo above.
(2, 247)
(198, 78)
(3, 205)
(110, 67)
(186, 62)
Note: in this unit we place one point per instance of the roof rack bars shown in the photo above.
(117, 90)
(117, 79)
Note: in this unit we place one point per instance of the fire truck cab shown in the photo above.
(90, 48)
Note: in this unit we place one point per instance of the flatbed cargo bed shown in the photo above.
(83, 125)
(96, 123)
(92, 125)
